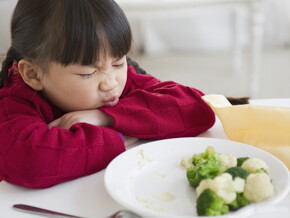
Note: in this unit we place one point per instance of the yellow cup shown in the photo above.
(266, 127)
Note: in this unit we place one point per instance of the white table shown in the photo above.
(148, 11)
(87, 196)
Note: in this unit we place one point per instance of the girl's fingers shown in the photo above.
(67, 121)
(54, 123)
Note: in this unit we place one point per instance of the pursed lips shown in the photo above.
(111, 102)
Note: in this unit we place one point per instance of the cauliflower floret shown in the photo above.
(204, 184)
(255, 164)
(228, 160)
(258, 187)
(223, 185)
(186, 162)
(239, 184)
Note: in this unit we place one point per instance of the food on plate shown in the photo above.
(225, 183)
(206, 170)
(206, 165)
(241, 160)
(238, 172)
(211, 204)
(203, 157)
(254, 165)
(228, 160)
(258, 187)
(239, 202)
(186, 162)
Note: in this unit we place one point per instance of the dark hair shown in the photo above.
(67, 32)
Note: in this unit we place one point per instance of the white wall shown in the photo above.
(6, 10)
(288, 12)
(210, 29)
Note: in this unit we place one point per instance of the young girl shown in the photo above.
(70, 102)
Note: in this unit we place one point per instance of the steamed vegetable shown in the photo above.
(208, 169)
(241, 160)
(238, 172)
(203, 157)
(224, 186)
(225, 183)
(210, 204)
(258, 187)
(239, 202)
(254, 165)
(228, 160)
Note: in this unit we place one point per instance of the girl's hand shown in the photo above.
(94, 117)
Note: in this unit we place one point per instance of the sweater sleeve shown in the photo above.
(150, 109)
(34, 156)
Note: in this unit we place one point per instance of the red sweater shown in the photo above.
(34, 156)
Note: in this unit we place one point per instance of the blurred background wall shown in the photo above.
(195, 49)
(207, 28)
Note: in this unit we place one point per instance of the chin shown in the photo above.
(78, 108)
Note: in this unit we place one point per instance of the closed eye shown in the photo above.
(119, 65)
(87, 75)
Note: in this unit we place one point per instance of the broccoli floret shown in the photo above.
(192, 176)
(241, 160)
(209, 169)
(238, 172)
(210, 204)
(203, 157)
(239, 202)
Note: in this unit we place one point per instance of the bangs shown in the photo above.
(86, 30)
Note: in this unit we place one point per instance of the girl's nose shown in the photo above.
(108, 83)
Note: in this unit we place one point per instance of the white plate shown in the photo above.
(149, 180)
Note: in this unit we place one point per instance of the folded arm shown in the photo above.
(34, 156)
(151, 109)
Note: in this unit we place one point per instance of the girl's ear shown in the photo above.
(31, 74)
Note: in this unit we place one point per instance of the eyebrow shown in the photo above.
(113, 59)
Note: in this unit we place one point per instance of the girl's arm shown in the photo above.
(34, 156)
(151, 109)
(94, 117)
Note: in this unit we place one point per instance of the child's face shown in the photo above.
(76, 87)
